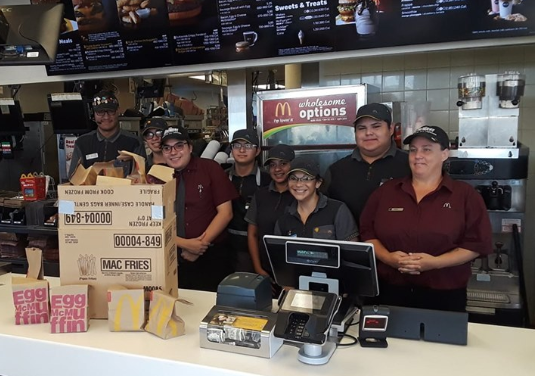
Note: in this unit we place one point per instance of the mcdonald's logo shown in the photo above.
(283, 108)
(137, 311)
(162, 311)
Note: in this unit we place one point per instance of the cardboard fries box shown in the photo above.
(116, 206)
(131, 257)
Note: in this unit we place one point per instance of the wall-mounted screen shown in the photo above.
(11, 118)
(108, 35)
(70, 114)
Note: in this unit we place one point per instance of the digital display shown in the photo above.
(307, 301)
(110, 35)
(313, 254)
(375, 323)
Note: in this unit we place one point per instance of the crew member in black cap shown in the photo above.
(152, 134)
(426, 228)
(104, 143)
(246, 177)
(375, 159)
(312, 214)
(203, 210)
(268, 204)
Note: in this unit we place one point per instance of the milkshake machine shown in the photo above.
(491, 159)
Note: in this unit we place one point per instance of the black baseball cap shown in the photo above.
(282, 152)
(375, 111)
(175, 133)
(247, 135)
(155, 123)
(105, 100)
(304, 164)
(432, 133)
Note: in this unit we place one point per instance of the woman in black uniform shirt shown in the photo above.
(314, 215)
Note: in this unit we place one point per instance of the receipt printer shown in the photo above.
(245, 290)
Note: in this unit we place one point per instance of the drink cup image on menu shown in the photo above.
(251, 37)
(494, 6)
(366, 18)
(506, 8)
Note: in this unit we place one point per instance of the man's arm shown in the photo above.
(220, 221)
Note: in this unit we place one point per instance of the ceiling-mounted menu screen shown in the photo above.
(107, 35)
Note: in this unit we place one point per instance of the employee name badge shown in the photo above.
(91, 156)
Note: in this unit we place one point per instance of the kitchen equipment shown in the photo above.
(471, 90)
(510, 88)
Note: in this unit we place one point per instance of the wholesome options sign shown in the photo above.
(333, 109)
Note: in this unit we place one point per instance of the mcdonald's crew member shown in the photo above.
(375, 160)
(104, 143)
(246, 177)
(426, 228)
(312, 214)
(152, 134)
(204, 209)
(268, 204)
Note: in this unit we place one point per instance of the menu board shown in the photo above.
(108, 35)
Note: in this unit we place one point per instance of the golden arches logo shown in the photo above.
(136, 311)
(283, 108)
(160, 315)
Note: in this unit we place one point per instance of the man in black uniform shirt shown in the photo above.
(104, 143)
(375, 159)
(247, 177)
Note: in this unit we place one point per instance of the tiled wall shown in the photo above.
(433, 77)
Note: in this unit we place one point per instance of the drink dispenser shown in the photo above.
(471, 89)
(510, 88)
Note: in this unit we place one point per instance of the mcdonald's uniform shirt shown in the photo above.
(92, 147)
(266, 207)
(452, 216)
(207, 187)
(331, 219)
(352, 180)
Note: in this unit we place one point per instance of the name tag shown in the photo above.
(91, 156)
(395, 209)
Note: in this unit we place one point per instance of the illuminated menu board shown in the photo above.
(108, 35)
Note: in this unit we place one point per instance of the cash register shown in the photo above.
(328, 276)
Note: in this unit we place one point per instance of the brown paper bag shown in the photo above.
(68, 309)
(163, 318)
(83, 176)
(138, 174)
(30, 294)
(108, 169)
(126, 309)
(107, 180)
(163, 173)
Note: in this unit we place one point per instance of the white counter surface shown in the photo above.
(32, 350)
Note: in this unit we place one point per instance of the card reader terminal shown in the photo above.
(306, 316)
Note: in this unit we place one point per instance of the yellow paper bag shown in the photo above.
(126, 309)
(163, 318)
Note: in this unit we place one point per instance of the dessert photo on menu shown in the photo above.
(138, 14)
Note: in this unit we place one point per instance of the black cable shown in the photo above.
(352, 343)
(32, 158)
(354, 323)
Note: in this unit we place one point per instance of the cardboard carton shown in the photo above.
(134, 258)
(116, 206)
(68, 309)
(126, 309)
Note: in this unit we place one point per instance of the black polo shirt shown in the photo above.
(266, 207)
(246, 187)
(352, 180)
(331, 219)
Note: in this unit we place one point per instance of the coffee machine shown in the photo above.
(491, 159)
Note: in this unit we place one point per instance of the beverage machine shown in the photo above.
(491, 159)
